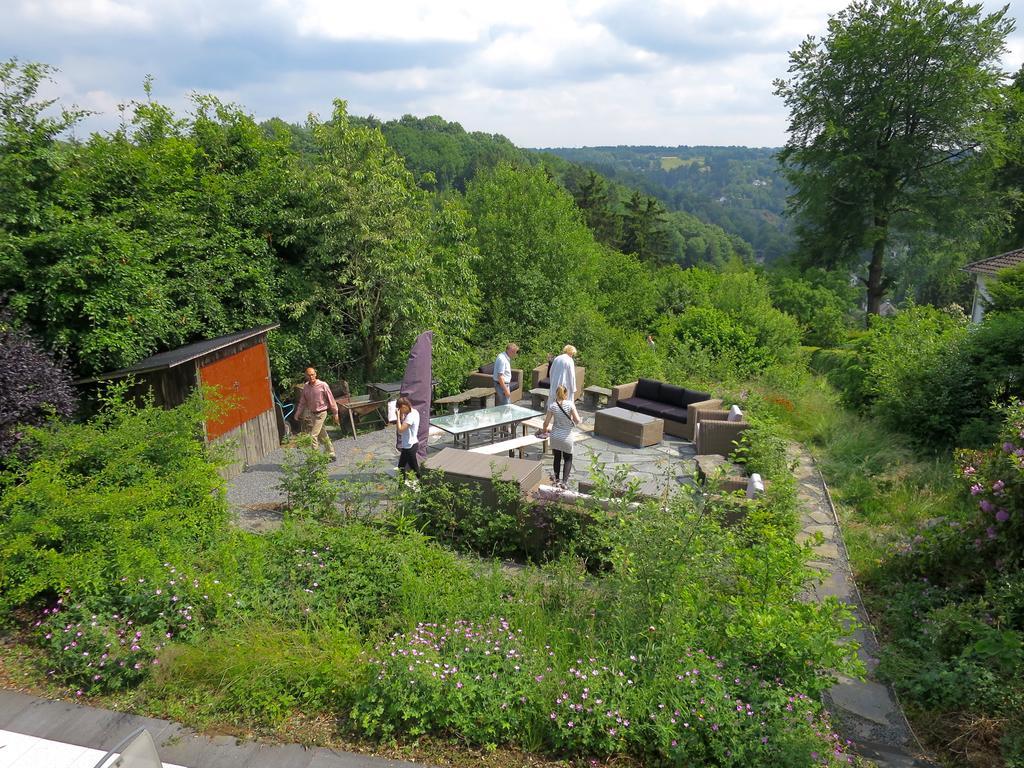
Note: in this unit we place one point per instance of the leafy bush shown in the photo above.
(33, 386)
(305, 481)
(115, 497)
(510, 528)
(996, 476)
(1006, 292)
(821, 312)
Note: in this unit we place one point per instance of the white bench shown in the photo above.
(507, 445)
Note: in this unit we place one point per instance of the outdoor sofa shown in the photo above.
(484, 377)
(542, 380)
(676, 406)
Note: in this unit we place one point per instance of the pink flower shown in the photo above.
(976, 489)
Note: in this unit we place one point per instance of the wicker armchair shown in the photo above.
(539, 378)
(714, 434)
(477, 378)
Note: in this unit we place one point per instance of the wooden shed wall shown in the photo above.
(252, 440)
(247, 364)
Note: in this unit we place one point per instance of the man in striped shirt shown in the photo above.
(314, 403)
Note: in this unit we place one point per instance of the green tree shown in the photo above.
(363, 282)
(537, 256)
(592, 198)
(891, 115)
(644, 228)
(1006, 292)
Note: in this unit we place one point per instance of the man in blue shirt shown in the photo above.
(503, 375)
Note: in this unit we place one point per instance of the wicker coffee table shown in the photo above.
(629, 427)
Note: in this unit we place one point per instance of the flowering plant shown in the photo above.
(995, 480)
(482, 682)
(114, 647)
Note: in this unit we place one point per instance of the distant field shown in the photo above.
(671, 162)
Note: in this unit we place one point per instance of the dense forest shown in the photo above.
(740, 189)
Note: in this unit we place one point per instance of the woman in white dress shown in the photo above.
(562, 417)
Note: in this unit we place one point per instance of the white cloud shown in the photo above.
(542, 72)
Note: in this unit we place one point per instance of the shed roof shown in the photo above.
(175, 357)
(995, 264)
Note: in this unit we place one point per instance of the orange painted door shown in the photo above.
(244, 380)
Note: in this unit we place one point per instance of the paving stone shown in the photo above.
(827, 551)
(827, 531)
(866, 699)
(835, 585)
(821, 518)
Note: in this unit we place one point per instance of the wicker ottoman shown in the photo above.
(629, 427)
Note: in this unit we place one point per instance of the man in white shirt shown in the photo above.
(562, 372)
(503, 375)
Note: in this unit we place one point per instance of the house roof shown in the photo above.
(175, 357)
(995, 264)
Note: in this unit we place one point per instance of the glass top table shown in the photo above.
(462, 425)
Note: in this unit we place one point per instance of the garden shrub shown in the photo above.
(512, 527)
(308, 490)
(116, 497)
(33, 386)
(953, 598)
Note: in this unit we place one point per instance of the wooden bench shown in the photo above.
(595, 396)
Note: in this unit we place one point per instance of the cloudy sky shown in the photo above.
(542, 72)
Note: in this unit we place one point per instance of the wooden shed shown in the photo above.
(237, 365)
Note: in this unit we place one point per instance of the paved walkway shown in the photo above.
(63, 723)
(865, 711)
(369, 462)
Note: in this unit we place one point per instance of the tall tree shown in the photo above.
(643, 228)
(592, 199)
(892, 113)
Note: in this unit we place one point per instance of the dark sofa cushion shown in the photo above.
(648, 389)
(692, 396)
(673, 395)
(489, 368)
(654, 408)
(544, 383)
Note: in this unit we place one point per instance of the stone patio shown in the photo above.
(371, 459)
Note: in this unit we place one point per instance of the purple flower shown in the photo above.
(1008, 447)
(976, 489)
(997, 486)
(1002, 515)
(986, 506)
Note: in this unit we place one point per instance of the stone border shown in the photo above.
(865, 711)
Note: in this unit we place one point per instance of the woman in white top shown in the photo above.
(562, 417)
(408, 426)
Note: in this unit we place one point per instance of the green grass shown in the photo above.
(672, 162)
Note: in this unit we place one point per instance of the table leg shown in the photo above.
(352, 421)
